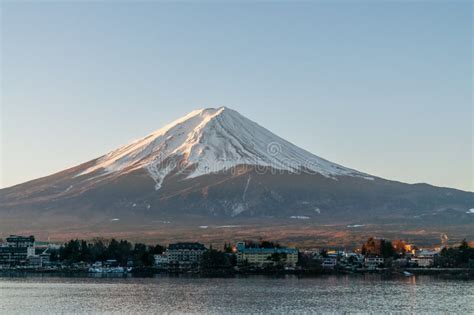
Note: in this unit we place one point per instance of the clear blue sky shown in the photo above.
(385, 88)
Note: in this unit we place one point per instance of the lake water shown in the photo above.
(255, 294)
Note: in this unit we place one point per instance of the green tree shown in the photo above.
(214, 259)
(70, 252)
(227, 248)
(98, 251)
(124, 252)
(84, 252)
(309, 263)
(142, 257)
(54, 255)
(157, 249)
(386, 249)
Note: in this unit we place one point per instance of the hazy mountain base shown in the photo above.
(303, 234)
(298, 208)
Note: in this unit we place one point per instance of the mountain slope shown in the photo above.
(214, 165)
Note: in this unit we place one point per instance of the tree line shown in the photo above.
(122, 251)
(456, 257)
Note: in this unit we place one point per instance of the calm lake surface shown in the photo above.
(255, 294)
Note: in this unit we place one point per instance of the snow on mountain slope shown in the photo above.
(212, 140)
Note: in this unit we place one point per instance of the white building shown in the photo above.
(185, 256)
(373, 262)
(424, 258)
(17, 250)
(259, 256)
(161, 261)
(35, 261)
(329, 262)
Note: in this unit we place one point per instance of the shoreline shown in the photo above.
(451, 273)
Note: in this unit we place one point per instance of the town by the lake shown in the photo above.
(25, 254)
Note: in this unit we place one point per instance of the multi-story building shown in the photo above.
(263, 256)
(161, 261)
(329, 262)
(20, 241)
(424, 258)
(17, 250)
(35, 261)
(185, 256)
(374, 262)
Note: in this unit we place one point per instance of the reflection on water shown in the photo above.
(255, 294)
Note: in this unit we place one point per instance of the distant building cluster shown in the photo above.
(376, 253)
(23, 252)
(187, 256)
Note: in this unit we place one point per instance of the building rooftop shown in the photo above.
(17, 238)
(189, 246)
(261, 250)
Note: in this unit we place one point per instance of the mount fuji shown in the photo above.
(217, 175)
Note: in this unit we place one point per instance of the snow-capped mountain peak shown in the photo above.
(212, 140)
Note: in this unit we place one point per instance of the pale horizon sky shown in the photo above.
(384, 88)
